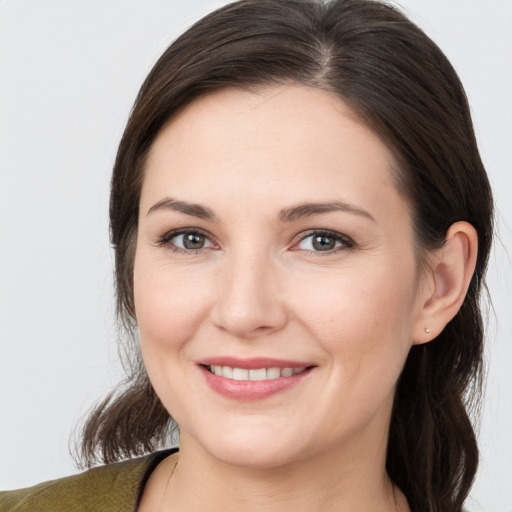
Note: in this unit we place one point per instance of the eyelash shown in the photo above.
(347, 242)
(165, 240)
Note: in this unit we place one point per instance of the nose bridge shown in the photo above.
(249, 300)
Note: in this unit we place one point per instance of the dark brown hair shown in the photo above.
(401, 86)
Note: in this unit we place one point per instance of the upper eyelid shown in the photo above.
(335, 234)
(179, 231)
(309, 232)
(301, 234)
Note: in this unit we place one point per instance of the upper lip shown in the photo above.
(253, 363)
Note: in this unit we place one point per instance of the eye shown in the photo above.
(186, 240)
(323, 241)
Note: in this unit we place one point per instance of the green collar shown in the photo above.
(111, 488)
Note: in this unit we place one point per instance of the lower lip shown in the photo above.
(250, 390)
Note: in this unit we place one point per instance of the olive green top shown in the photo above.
(111, 488)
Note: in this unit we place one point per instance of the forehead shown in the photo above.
(286, 143)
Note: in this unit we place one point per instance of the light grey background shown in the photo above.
(69, 72)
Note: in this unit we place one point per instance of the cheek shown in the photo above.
(362, 321)
(362, 317)
(169, 308)
(169, 305)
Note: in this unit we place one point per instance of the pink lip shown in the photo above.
(253, 363)
(251, 390)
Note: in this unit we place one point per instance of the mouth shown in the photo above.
(254, 374)
(253, 379)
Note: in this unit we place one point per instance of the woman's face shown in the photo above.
(274, 250)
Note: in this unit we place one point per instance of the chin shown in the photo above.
(255, 448)
(262, 454)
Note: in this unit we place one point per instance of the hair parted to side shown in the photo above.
(401, 86)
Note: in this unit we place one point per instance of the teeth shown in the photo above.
(273, 373)
(257, 374)
(260, 374)
(217, 370)
(227, 371)
(240, 374)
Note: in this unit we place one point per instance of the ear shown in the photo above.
(446, 284)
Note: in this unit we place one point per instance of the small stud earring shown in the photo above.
(427, 330)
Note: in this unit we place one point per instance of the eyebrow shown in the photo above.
(290, 214)
(192, 209)
(304, 210)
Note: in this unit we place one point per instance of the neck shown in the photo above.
(328, 483)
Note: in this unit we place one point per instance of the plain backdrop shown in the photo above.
(69, 72)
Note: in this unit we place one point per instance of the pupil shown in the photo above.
(193, 241)
(323, 243)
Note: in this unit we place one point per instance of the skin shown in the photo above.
(259, 288)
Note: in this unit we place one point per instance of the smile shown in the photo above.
(255, 378)
(256, 374)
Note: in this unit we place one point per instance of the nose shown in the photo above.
(249, 301)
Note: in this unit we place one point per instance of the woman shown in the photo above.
(301, 250)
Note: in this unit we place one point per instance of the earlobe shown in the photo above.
(452, 267)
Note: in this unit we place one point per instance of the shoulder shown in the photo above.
(110, 488)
